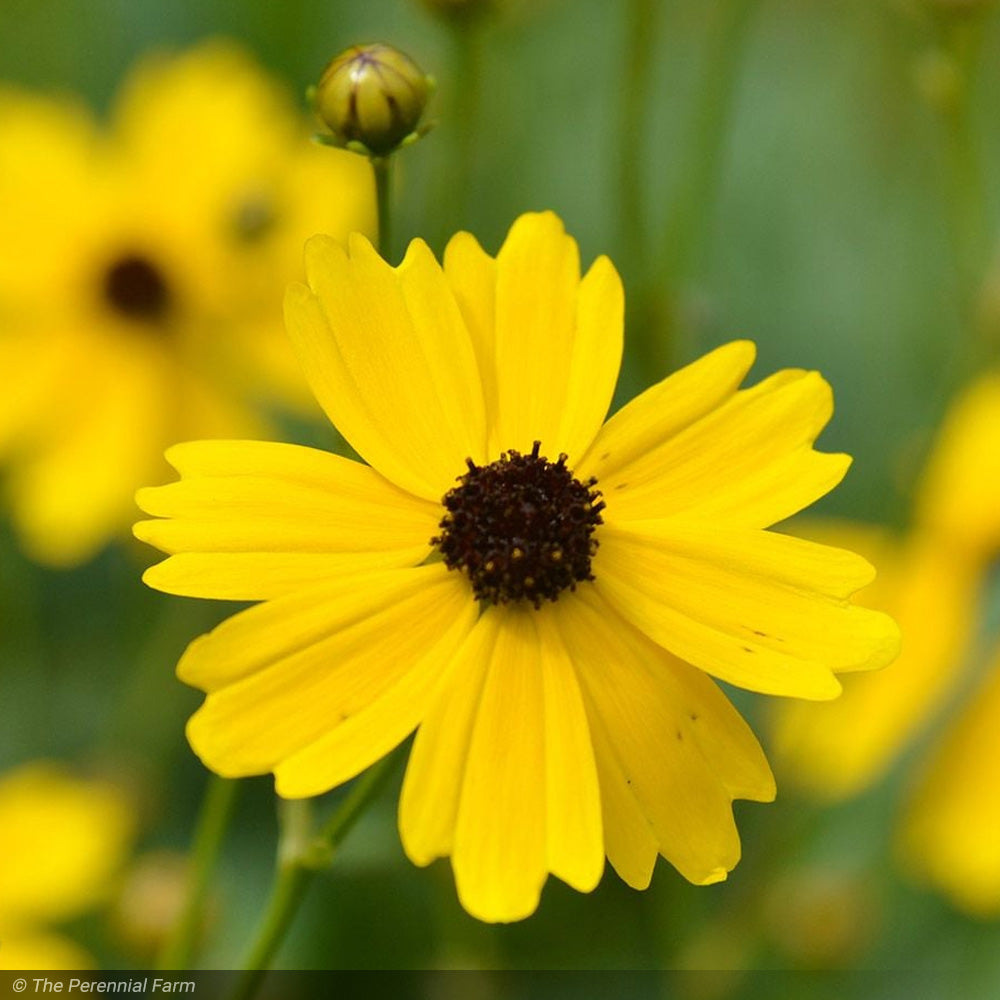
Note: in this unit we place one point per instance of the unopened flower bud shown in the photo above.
(371, 97)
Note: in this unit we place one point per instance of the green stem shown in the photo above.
(642, 29)
(688, 221)
(213, 820)
(646, 331)
(382, 165)
(656, 307)
(466, 81)
(301, 853)
(964, 181)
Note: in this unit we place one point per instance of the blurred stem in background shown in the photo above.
(643, 19)
(467, 47)
(301, 853)
(213, 820)
(651, 337)
(948, 78)
(660, 320)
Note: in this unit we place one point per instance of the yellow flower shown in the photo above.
(949, 834)
(836, 749)
(541, 597)
(141, 271)
(61, 843)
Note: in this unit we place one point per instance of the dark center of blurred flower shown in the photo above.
(135, 287)
(522, 528)
(255, 218)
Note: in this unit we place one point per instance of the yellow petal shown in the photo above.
(283, 674)
(502, 774)
(389, 358)
(472, 275)
(262, 576)
(835, 749)
(575, 841)
(761, 610)
(672, 751)
(558, 340)
(949, 835)
(629, 840)
(364, 737)
(255, 519)
(500, 848)
(666, 408)
(429, 801)
(750, 461)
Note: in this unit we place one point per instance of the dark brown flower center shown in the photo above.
(136, 288)
(522, 528)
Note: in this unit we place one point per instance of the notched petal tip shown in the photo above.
(714, 876)
(320, 254)
(418, 255)
(359, 246)
(461, 242)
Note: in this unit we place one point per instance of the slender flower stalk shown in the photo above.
(959, 48)
(301, 853)
(216, 811)
(466, 81)
(692, 204)
(371, 98)
(643, 18)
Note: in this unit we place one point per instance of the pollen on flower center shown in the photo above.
(522, 528)
(135, 287)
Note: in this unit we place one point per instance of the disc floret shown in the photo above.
(522, 528)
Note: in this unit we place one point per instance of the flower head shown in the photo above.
(542, 596)
(141, 270)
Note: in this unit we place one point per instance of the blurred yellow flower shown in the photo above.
(547, 620)
(62, 841)
(837, 749)
(959, 496)
(930, 582)
(141, 274)
(949, 834)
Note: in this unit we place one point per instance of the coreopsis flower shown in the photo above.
(544, 597)
(141, 272)
(62, 841)
(837, 749)
(948, 836)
